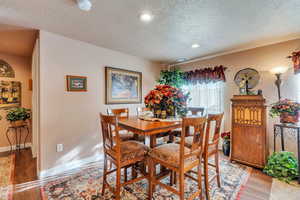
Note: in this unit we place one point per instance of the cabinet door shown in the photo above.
(248, 145)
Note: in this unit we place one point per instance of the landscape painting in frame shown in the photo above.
(10, 94)
(123, 86)
(76, 83)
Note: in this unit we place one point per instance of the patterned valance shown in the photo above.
(206, 75)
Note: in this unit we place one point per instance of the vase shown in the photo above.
(17, 123)
(292, 118)
(226, 147)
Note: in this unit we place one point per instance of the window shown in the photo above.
(207, 95)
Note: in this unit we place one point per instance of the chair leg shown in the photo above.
(151, 176)
(171, 178)
(104, 176)
(217, 169)
(133, 171)
(206, 178)
(200, 181)
(125, 174)
(118, 185)
(181, 186)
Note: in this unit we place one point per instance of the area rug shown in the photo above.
(7, 168)
(281, 190)
(87, 186)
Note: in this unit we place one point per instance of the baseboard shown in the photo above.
(71, 167)
(4, 149)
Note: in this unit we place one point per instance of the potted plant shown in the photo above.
(173, 77)
(282, 165)
(18, 116)
(226, 143)
(288, 111)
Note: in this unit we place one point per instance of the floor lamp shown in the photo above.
(278, 71)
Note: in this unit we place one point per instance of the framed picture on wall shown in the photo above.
(10, 94)
(122, 86)
(76, 83)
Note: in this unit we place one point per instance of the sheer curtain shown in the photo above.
(207, 95)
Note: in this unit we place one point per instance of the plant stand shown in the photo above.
(17, 131)
(294, 129)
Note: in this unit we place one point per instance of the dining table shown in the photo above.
(150, 128)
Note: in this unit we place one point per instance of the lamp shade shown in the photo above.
(279, 70)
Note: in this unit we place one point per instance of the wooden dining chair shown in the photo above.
(195, 111)
(121, 153)
(180, 159)
(211, 149)
(124, 113)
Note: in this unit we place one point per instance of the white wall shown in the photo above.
(72, 118)
(262, 59)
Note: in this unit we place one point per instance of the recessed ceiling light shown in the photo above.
(181, 60)
(146, 16)
(84, 5)
(194, 46)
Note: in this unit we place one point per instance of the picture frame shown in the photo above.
(122, 86)
(76, 83)
(11, 94)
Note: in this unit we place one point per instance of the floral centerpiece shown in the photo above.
(288, 111)
(226, 143)
(165, 100)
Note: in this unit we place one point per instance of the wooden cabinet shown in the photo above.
(249, 137)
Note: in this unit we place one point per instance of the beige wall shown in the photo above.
(72, 118)
(263, 59)
(22, 68)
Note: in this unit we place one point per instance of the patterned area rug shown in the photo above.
(87, 186)
(7, 167)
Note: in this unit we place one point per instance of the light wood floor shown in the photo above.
(257, 188)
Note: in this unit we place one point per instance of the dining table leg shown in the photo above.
(152, 141)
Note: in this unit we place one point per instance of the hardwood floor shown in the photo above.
(27, 187)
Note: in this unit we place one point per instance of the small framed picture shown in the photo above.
(76, 83)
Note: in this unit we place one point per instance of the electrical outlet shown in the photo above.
(59, 147)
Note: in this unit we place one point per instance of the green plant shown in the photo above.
(282, 165)
(173, 77)
(16, 114)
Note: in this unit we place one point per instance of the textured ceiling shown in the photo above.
(217, 25)
(17, 40)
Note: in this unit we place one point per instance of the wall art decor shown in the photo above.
(76, 83)
(10, 94)
(6, 70)
(296, 61)
(122, 86)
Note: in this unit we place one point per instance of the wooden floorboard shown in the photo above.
(258, 186)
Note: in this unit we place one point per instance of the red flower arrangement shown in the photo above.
(167, 98)
(288, 111)
(225, 135)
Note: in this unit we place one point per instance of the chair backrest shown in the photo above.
(217, 118)
(197, 125)
(120, 112)
(110, 132)
(139, 110)
(196, 110)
